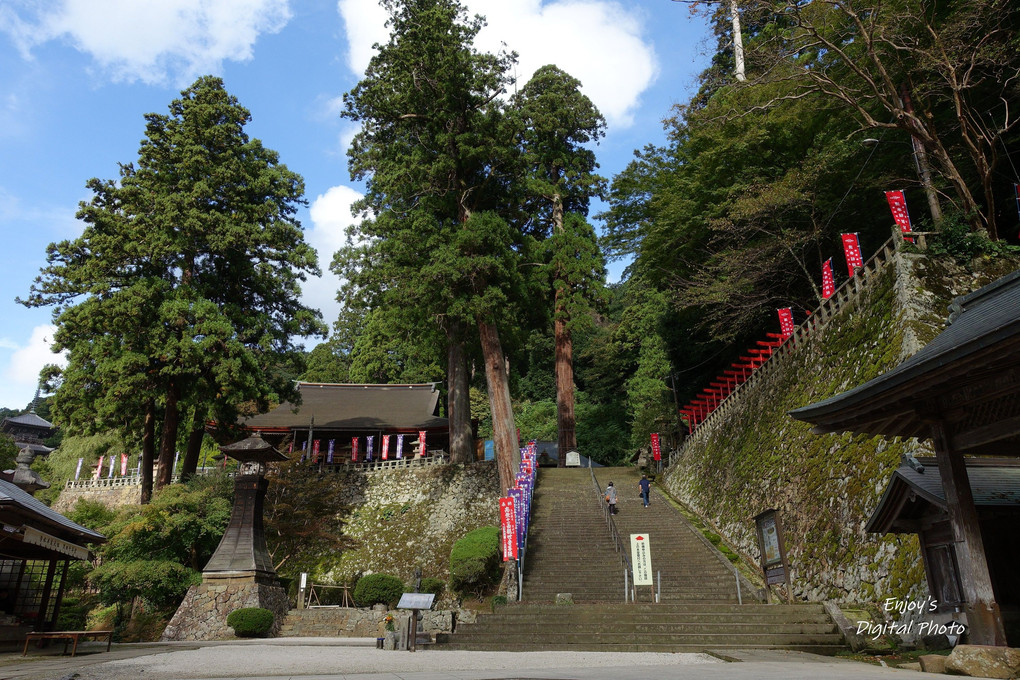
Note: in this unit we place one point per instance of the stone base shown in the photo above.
(982, 661)
(203, 613)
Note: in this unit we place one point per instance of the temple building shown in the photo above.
(29, 431)
(334, 413)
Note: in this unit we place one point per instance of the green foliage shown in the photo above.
(956, 240)
(436, 586)
(250, 621)
(91, 514)
(8, 452)
(378, 589)
(474, 561)
(183, 290)
(59, 466)
(498, 601)
(157, 551)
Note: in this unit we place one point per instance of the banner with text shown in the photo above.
(828, 280)
(898, 206)
(852, 250)
(656, 449)
(508, 522)
(786, 326)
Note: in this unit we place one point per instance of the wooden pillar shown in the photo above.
(984, 620)
(60, 596)
(47, 589)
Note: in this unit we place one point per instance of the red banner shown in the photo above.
(852, 250)
(123, 464)
(315, 451)
(508, 522)
(828, 280)
(354, 449)
(656, 450)
(386, 447)
(421, 441)
(786, 326)
(898, 205)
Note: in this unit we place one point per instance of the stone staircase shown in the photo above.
(644, 627)
(689, 568)
(570, 551)
(569, 546)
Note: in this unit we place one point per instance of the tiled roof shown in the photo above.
(29, 419)
(357, 407)
(10, 495)
(984, 331)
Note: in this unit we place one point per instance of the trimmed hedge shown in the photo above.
(378, 589)
(250, 621)
(433, 585)
(474, 561)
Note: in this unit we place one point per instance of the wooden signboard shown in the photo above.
(773, 549)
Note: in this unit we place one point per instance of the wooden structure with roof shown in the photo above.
(342, 411)
(962, 392)
(29, 431)
(914, 502)
(37, 545)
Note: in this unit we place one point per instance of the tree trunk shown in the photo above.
(168, 443)
(461, 441)
(738, 42)
(504, 432)
(190, 463)
(148, 450)
(565, 421)
(564, 357)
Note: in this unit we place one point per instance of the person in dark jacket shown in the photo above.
(646, 489)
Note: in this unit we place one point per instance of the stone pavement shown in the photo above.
(357, 659)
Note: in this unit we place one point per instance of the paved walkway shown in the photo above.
(357, 659)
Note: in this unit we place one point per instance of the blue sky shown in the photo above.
(77, 77)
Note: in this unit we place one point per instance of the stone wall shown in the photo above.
(825, 486)
(405, 519)
(110, 496)
(203, 613)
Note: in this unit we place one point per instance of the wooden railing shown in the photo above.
(850, 291)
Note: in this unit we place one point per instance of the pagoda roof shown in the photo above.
(30, 419)
(337, 406)
(975, 358)
(255, 449)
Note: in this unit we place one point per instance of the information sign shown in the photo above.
(573, 459)
(416, 601)
(641, 559)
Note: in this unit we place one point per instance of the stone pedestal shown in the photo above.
(203, 613)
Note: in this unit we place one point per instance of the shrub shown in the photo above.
(474, 561)
(498, 601)
(378, 589)
(250, 621)
(432, 585)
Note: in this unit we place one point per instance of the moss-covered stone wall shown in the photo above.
(410, 518)
(825, 486)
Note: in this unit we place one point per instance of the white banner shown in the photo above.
(641, 559)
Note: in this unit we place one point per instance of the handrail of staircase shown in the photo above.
(613, 531)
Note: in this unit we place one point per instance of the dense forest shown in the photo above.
(831, 105)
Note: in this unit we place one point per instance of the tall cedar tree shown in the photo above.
(558, 121)
(434, 151)
(181, 294)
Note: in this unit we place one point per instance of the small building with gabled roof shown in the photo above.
(28, 431)
(962, 392)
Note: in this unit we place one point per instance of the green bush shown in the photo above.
(378, 589)
(497, 602)
(250, 621)
(474, 561)
(432, 585)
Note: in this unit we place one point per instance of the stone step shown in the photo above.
(827, 649)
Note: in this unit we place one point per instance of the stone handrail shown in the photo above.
(819, 318)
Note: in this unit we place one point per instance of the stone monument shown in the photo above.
(240, 572)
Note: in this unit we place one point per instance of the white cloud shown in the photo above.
(331, 216)
(21, 375)
(149, 41)
(599, 42)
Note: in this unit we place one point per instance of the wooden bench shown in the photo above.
(70, 636)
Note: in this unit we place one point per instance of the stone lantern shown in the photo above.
(240, 573)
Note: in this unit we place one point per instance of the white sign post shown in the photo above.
(641, 559)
